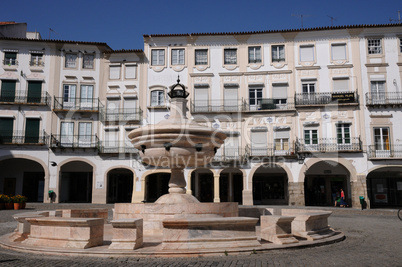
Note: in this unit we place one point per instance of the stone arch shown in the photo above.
(231, 184)
(202, 182)
(157, 178)
(119, 185)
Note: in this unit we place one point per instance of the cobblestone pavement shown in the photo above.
(373, 238)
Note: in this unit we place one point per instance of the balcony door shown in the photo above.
(308, 89)
(34, 92)
(311, 139)
(32, 130)
(201, 99)
(67, 134)
(87, 92)
(230, 98)
(259, 145)
(7, 91)
(85, 134)
(6, 130)
(69, 91)
(382, 142)
(255, 96)
(378, 92)
(343, 139)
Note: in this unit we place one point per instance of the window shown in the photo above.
(32, 130)
(341, 85)
(36, 59)
(158, 57)
(281, 139)
(6, 130)
(230, 98)
(343, 133)
(280, 93)
(254, 54)
(201, 57)
(311, 139)
(7, 91)
(87, 92)
(84, 134)
(255, 96)
(157, 98)
(307, 53)
(378, 91)
(231, 147)
(130, 112)
(177, 56)
(69, 95)
(278, 53)
(374, 46)
(131, 71)
(338, 52)
(71, 60)
(10, 58)
(114, 72)
(88, 61)
(201, 99)
(381, 138)
(308, 88)
(259, 144)
(67, 134)
(34, 92)
(112, 111)
(230, 56)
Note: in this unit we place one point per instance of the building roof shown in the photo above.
(122, 51)
(56, 41)
(7, 22)
(278, 31)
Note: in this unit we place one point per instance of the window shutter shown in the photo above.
(6, 130)
(281, 134)
(279, 91)
(114, 72)
(341, 85)
(201, 94)
(34, 91)
(338, 52)
(32, 130)
(131, 71)
(230, 96)
(8, 91)
(307, 53)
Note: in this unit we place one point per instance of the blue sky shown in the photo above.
(121, 24)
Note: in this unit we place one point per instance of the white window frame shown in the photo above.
(374, 46)
(159, 96)
(178, 56)
(131, 71)
(10, 61)
(67, 134)
(377, 90)
(200, 57)
(254, 54)
(228, 57)
(71, 60)
(113, 73)
(87, 96)
(335, 50)
(158, 56)
(87, 62)
(84, 134)
(382, 148)
(256, 99)
(36, 59)
(313, 143)
(276, 53)
(303, 50)
(343, 136)
(69, 95)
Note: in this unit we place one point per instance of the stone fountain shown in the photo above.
(177, 143)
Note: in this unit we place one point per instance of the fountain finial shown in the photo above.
(178, 90)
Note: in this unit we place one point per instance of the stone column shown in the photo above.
(358, 188)
(296, 194)
(216, 189)
(247, 197)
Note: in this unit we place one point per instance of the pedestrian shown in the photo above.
(343, 201)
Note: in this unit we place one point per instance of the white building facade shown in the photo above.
(307, 113)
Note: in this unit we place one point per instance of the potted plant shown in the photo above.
(9, 205)
(2, 200)
(19, 202)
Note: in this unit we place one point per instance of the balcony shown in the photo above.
(122, 114)
(20, 138)
(115, 147)
(217, 106)
(10, 62)
(318, 99)
(392, 99)
(25, 98)
(73, 141)
(271, 104)
(36, 63)
(270, 150)
(389, 152)
(329, 145)
(62, 104)
(229, 155)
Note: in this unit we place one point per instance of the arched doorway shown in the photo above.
(22, 177)
(231, 185)
(156, 185)
(270, 186)
(384, 187)
(202, 185)
(119, 186)
(323, 182)
(76, 182)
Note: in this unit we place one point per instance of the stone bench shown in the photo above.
(312, 225)
(23, 226)
(194, 233)
(127, 234)
(277, 229)
(65, 232)
(86, 213)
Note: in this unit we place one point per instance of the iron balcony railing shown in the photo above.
(73, 141)
(36, 63)
(384, 152)
(385, 98)
(270, 150)
(10, 62)
(115, 147)
(226, 154)
(267, 104)
(77, 104)
(352, 144)
(217, 106)
(349, 97)
(25, 97)
(122, 114)
(22, 138)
